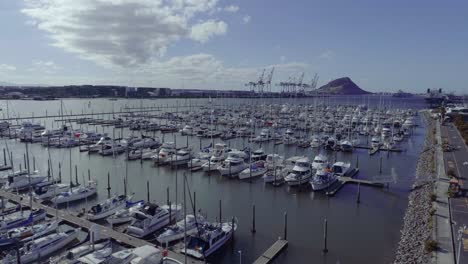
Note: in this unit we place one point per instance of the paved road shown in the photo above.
(458, 161)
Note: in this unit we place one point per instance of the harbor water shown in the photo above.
(365, 232)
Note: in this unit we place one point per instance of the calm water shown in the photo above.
(358, 233)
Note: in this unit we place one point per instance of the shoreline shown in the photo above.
(417, 229)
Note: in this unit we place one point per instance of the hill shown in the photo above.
(342, 86)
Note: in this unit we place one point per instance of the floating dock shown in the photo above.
(343, 180)
(272, 252)
(85, 224)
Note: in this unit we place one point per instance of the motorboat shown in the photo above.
(140, 255)
(97, 256)
(165, 152)
(76, 194)
(232, 166)
(346, 146)
(210, 238)
(255, 169)
(341, 168)
(187, 131)
(113, 149)
(375, 142)
(323, 179)
(181, 157)
(124, 215)
(300, 174)
(107, 207)
(189, 226)
(43, 247)
(213, 163)
(273, 160)
(152, 217)
(386, 132)
(276, 175)
(143, 154)
(146, 142)
(74, 254)
(258, 154)
(100, 144)
(319, 162)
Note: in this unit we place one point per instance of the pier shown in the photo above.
(272, 252)
(343, 180)
(85, 224)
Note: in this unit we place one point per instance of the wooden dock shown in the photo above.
(85, 224)
(272, 252)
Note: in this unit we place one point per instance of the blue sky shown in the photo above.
(381, 45)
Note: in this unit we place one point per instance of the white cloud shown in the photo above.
(118, 32)
(231, 8)
(202, 32)
(7, 67)
(47, 67)
(246, 19)
(207, 69)
(327, 55)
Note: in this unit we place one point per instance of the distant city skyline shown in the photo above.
(382, 46)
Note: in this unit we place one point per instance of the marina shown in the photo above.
(227, 156)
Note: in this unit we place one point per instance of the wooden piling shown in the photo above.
(358, 193)
(325, 233)
(285, 226)
(253, 219)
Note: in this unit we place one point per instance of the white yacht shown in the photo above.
(258, 154)
(256, 169)
(143, 154)
(276, 174)
(140, 255)
(49, 190)
(146, 142)
(5, 178)
(43, 247)
(211, 237)
(113, 149)
(75, 194)
(232, 166)
(165, 152)
(300, 174)
(151, 217)
(341, 168)
(100, 144)
(319, 162)
(187, 131)
(30, 232)
(213, 163)
(181, 157)
(74, 254)
(124, 215)
(107, 208)
(323, 179)
(24, 181)
(97, 256)
(346, 145)
(375, 142)
(176, 232)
